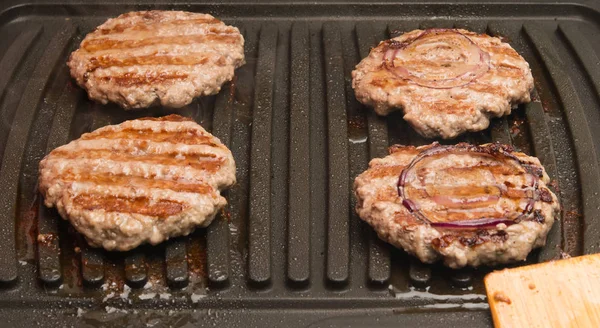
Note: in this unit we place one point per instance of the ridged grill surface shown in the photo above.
(289, 245)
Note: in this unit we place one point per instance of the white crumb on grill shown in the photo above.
(80, 312)
(196, 297)
(164, 296)
(110, 309)
(125, 293)
(107, 297)
(148, 285)
(22, 262)
(147, 296)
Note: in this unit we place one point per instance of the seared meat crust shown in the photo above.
(146, 58)
(446, 81)
(466, 205)
(140, 181)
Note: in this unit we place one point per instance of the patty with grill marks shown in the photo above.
(465, 205)
(446, 81)
(141, 181)
(147, 58)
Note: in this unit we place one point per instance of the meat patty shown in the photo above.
(447, 81)
(466, 205)
(146, 58)
(144, 180)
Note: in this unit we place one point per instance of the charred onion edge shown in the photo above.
(394, 46)
(495, 150)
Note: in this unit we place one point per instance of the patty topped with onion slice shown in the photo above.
(466, 205)
(447, 81)
(147, 58)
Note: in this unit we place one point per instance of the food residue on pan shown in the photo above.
(46, 239)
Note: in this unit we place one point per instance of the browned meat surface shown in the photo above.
(464, 204)
(146, 58)
(447, 81)
(140, 181)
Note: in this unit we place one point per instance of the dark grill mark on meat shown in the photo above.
(147, 26)
(507, 70)
(502, 50)
(538, 217)
(132, 79)
(140, 205)
(472, 190)
(443, 242)
(483, 236)
(434, 188)
(487, 88)
(480, 191)
(384, 171)
(545, 195)
(454, 215)
(534, 169)
(106, 44)
(471, 241)
(142, 148)
(405, 149)
(493, 148)
(108, 179)
(194, 161)
(152, 59)
(394, 44)
(445, 106)
(189, 137)
(386, 82)
(483, 167)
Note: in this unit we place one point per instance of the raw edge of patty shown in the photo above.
(379, 205)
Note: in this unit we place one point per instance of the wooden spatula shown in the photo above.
(563, 293)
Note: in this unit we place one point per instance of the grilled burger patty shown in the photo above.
(466, 205)
(447, 81)
(146, 58)
(140, 181)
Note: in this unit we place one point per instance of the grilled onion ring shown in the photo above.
(437, 58)
(499, 154)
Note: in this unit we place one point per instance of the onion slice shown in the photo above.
(479, 223)
(499, 153)
(433, 73)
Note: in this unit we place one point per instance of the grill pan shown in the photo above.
(288, 250)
